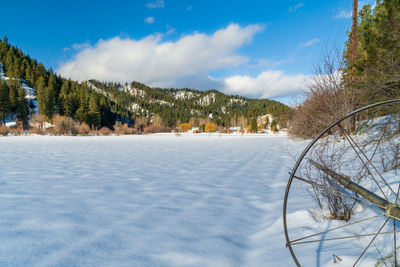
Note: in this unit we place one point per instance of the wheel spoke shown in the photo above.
(394, 242)
(339, 227)
(369, 244)
(353, 144)
(378, 143)
(397, 195)
(341, 237)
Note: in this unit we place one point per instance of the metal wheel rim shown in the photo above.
(301, 157)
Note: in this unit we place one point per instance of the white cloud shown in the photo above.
(367, 2)
(170, 31)
(80, 46)
(347, 14)
(267, 84)
(344, 14)
(309, 43)
(294, 8)
(154, 61)
(149, 20)
(76, 47)
(156, 4)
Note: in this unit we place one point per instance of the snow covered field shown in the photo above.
(157, 200)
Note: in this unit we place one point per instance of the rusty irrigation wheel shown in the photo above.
(342, 204)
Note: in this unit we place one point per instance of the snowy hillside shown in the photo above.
(29, 95)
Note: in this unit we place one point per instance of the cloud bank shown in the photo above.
(185, 62)
(268, 84)
(151, 60)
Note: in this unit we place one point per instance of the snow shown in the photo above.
(206, 100)
(231, 101)
(134, 91)
(96, 89)
(157, 200)
(29, 94)
(182, 95)
(160, 102)
(135, 107)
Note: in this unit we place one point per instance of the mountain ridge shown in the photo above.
(102, 104)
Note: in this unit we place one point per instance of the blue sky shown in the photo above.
(251, 48)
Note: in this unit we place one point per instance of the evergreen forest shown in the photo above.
(103, 104)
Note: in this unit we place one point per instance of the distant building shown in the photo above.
(194, 130)
(236, 129)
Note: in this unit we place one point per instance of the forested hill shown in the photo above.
(103, 103)
(184, 105)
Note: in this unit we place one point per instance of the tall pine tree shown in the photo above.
(93, 116)
(41, 94)
(4, 100)
(22, 108)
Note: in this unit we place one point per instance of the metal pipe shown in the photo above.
(392, 210)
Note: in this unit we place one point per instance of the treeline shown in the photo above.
(357, 78)
(54, 94)
(102, 104)
(175, 106)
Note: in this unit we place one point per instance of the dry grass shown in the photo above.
(4, 130)
(156, 129)
(104, 131)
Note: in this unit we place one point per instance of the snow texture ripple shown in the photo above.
(157, 200)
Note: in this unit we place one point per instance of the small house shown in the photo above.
(236, 129)
(194, 130)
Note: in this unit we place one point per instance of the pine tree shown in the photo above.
(64, 97)
(81, 112)
(374, 75)
(4, 100)
(22, 108)
(13, 94)
(50, 97)
(31, 106)
(93, 117)
(5, 40)
(41, 94)
(253, 125)
(29, 75)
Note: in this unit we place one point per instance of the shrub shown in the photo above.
(17, 131)
(139, 128)
(82, 128)
(224, 130)
(104, 131)
(39, 120)
(210, 127)
(120, 128)
(328, 100)
(63, 125)
(4, 130)
(37, 130)
(322, 108)
(184, 127)
(156, 129)
(131, 131)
